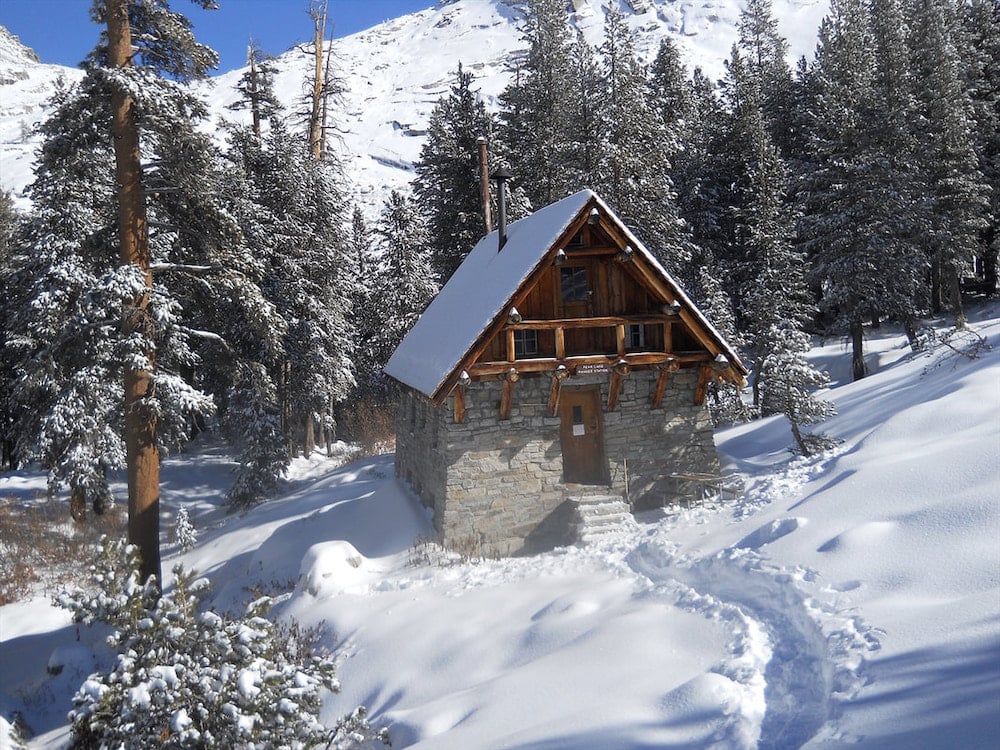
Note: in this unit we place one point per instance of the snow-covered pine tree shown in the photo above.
(291, 216)
(365, 312)
(587, 137)
(634, 171)
(142, 42)
(979, 47)
(789, 385)
(775, 293)
(702, 178)
(858, 210)
(63, 324)
(956, 201)
(187, 676)
(765, 52)
(447, 181)
(536, 107)
(404, 282)
(671, 98)
(184, 532)
(9, 220)
(724, 399)
(256, 88)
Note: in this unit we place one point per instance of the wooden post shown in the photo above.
(459, 396)
(511, 354)
(618, 373)
(507, 396)
(620, 338)
(560, 343)
(661, 381)
(555, 389)
(704, 377)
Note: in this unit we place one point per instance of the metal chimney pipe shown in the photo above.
(501, 176)
(484, 184)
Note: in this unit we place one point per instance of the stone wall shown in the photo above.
(496, 487)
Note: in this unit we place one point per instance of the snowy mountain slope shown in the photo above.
(25, 86)
(395, 72)
(851, 599)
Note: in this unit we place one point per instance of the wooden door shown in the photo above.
(582, 437)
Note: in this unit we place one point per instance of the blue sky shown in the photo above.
(61, 31)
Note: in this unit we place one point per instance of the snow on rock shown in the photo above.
(330, 568)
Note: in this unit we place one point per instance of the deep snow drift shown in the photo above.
(847, 599)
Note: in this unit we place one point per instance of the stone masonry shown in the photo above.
(496, 486)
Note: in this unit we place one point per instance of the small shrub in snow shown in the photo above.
(184, 533)
(191, 678)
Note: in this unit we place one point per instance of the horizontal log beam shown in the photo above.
(549, 364)
(606, 321)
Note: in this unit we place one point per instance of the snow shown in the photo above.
(847, 599)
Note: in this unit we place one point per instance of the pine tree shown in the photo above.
(979, 47)
(535, 107)
(447, 184)
(292, 220)
(858, 188)
(367, 315)
(404, 282)
(957, 198)
(143, 41)
(9, 220)
(256, 88)
(789, 384)
(764, 51)
(634, 170)
(703, 180)
(586, 139)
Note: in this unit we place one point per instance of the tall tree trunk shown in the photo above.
(911, 334)
(955, 292)
(254, 91)
(142, 454)
(857, 349)
(318, 14)
(937, 304)
(309, 439)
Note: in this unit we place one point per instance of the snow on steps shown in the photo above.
(599, 515)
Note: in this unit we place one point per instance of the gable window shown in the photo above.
(635, 336)
(525, 343)
(573, 283)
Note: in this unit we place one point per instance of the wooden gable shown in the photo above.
(571, 292)
(596, 302)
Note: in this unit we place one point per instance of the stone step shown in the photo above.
(604, 509)
(599, 515)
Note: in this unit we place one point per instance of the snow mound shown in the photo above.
(332, 568)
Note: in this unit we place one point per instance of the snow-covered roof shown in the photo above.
(485, 284)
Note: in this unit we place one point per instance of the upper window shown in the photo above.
(635, 336)
(573, 282)
(525, 343)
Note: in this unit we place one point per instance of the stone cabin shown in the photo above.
(560, 359)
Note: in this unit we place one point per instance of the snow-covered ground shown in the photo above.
(851, 599)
